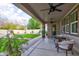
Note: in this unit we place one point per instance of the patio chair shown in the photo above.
(65, 45)
(59, 39)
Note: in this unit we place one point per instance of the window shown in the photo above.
(74, 27)
(63, 29)
(73, 24)
(67, 28)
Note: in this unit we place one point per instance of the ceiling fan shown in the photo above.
(53, 8)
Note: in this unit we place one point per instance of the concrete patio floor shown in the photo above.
(45, 47)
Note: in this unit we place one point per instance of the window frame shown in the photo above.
(66, 28)
(63, 29)
(71, 27)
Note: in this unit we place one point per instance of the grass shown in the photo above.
(27, 35)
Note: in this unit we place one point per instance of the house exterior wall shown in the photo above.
(61, 25)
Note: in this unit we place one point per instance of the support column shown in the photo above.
(49, 25)
(78, 21)
(43, 30)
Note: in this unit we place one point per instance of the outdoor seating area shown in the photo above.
(63, 42)
(46, 47)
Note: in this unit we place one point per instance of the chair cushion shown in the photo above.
(64, 44)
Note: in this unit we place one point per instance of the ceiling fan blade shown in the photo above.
(44, 9)
(49, 11)
(59, 4)
(58, 10)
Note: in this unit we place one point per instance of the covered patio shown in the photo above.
(60, 22)
(45, 48)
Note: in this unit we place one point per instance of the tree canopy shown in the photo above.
(12, 26)
(33, 24)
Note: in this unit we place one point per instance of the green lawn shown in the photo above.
(27, 35)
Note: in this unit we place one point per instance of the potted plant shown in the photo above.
(11, 44)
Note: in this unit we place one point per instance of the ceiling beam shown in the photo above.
(29, 8)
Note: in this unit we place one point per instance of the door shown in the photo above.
(54, 30)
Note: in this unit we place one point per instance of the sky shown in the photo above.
(10, 13)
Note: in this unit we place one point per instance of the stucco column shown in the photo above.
(49, 27)
(43, 30)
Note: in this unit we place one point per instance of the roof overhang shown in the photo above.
(34, 10)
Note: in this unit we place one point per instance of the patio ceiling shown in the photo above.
(35, 10)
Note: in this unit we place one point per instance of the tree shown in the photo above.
(12, 26)
(33, 24)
